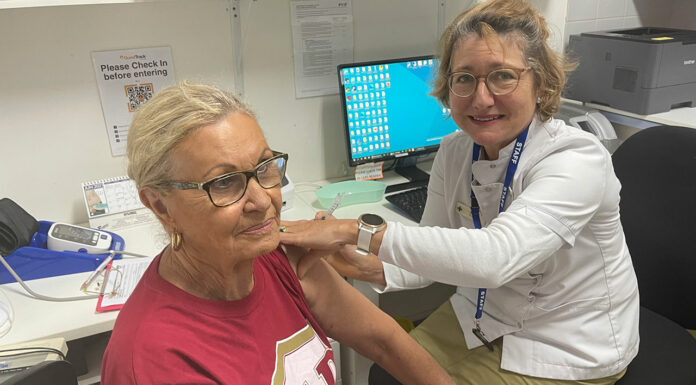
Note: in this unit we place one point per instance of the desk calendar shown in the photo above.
(113, 203)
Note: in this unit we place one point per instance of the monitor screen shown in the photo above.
(388, 111)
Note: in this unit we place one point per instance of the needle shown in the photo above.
(334, 205)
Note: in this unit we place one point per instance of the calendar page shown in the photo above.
(114, 203)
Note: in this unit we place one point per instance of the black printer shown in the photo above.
(643, 70)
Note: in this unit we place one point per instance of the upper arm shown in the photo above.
(565, 189)
(334, 304)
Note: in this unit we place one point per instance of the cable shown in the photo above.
(33, 349)
(60, 299)
(8, 310)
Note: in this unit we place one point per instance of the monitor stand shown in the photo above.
(406, 167)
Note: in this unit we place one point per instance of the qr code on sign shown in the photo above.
(138, 94)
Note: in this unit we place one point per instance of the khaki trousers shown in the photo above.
(441, 335)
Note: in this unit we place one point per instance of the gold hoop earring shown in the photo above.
(176, 240)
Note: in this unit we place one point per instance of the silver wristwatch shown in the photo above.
(368, 225)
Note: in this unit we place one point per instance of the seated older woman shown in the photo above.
(223, 303)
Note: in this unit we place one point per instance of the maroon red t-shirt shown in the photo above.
(165, 335)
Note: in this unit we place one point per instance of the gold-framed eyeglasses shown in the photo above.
(229, 188)
(499, 82)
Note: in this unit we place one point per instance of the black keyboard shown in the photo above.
(411, 202)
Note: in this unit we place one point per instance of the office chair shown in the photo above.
(657, 170)
(47, 372)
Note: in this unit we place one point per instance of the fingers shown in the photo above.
(315, 234)
(322, 215)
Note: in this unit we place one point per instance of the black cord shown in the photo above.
(33, 350)
(391, 166)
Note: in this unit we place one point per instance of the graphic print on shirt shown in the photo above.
(303, 358)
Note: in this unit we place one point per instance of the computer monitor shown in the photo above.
(388, 113)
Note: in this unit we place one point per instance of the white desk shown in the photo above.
(684, 116)
(37, 319)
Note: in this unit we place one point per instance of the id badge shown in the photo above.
(479, 334)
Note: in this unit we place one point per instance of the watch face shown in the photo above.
(372, 219)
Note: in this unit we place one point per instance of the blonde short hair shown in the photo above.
(165, 120)
(519, 21)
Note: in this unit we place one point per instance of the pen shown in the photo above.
(334, 205)
(97, 271)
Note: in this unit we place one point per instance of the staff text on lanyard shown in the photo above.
(507, 185)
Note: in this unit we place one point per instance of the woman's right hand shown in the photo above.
(325, 232)
(349, 263)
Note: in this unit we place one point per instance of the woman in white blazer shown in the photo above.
(522, 216)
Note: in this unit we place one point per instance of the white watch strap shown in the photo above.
(364, 237)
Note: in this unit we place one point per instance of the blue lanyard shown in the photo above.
(512, 167)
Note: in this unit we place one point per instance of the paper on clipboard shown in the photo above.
(121, 278)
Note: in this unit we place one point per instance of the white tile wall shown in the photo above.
(582, 10)
(610, 23)
(600, 15)
(611, 9)
(633, 22)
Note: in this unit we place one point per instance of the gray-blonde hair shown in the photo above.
(165, 120)
(519, 21)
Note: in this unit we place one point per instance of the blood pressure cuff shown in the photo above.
(17, 227)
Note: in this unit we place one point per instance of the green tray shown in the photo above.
(355, 191)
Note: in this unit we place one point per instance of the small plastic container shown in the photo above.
(355, 192)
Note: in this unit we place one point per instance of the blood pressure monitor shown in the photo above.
(65, 237)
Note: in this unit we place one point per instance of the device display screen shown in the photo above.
(76, 234)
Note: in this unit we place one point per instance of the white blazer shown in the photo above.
(562, 290)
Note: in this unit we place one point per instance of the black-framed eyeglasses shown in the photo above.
(227, 189)
(499, 82)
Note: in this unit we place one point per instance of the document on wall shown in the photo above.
(322, 35)
(127, 79)
(120, 279)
